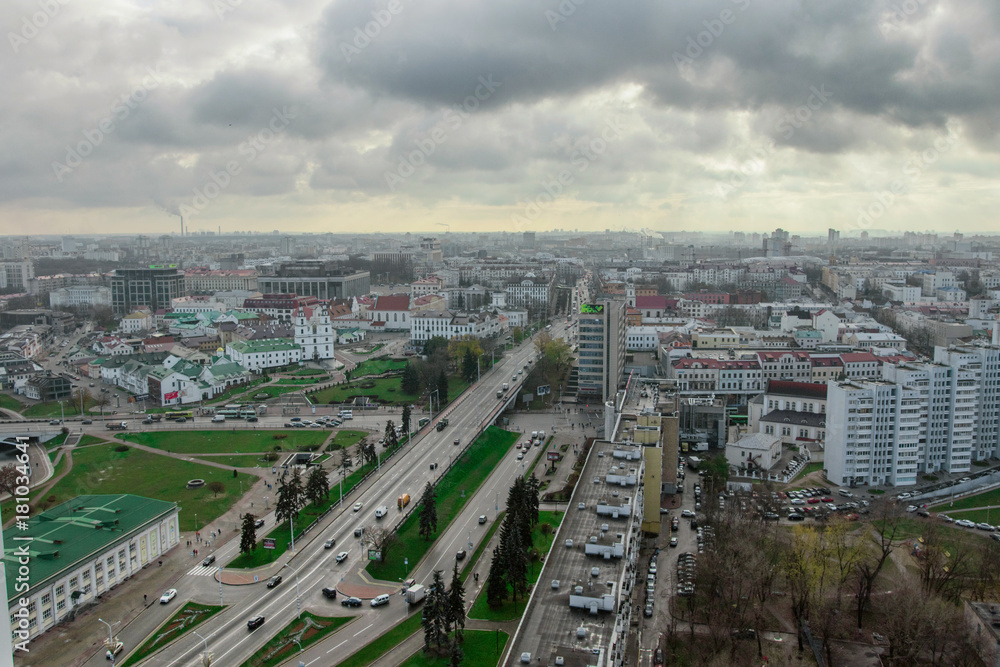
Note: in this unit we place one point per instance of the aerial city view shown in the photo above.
(339, 333)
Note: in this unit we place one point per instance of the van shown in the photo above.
(845, 493)
(380, 600)
(381, 511)
(534, 434)
(218, 418)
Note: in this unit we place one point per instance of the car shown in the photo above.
(289, 425)
(965, 523)
(482, 519)
(258, 523)
(251, 419)
(965, 479)
(181, 420)
(330, 593)
(648, 611)
(675, 524)
(985, 526)
(460, 554)
(380, 600)
(797, 501)
(54, 422)
(274, 581)
(341, 557)
(745, 633)
(520, 456)
(796, 517)
(295, 419)
(208, 560)
(555, 584)
(458, 441)
(147, 420)
(687, 514)
(329, 543)
(513, 378)
(673, 541)
(357, 507)
(912, 508)
(358, 532)
(255, 623)
(813, 501)
(351, 602)
(111, 652)
(87, 421)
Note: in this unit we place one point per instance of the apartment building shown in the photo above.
(696, 375)
(427, 324)
(601, 355)
(983, 366)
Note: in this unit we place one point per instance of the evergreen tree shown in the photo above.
(390, 434)
(442, 387)
(435, 612)
(410, 382)
(456, 604)
(496, 581)
(289, 499)
(469, 366)
(428, 512)
(248, 535)
(456, 656)
(317, 486)
(515, 559)
(404, 420)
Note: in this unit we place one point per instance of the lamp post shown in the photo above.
(206, 657)
(298, 605)
(301, 664)
(291, 522)
(111, 638)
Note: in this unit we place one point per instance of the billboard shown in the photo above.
(171, 395)
(543, 389)
(591, 308)
(374, 554)
(268, 542)
(552, 456)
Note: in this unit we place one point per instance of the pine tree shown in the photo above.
(248, 535)
(390, 434)
(436, 612)
(469, 366)
(456, 605)
(410, 382)
(442, 387)
(289, 499)
(428, 512)
(514, 555)
(404, 420)
(496, 581)
(456, 656)
(317, 486)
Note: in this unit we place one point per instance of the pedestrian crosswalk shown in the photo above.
(203, 570)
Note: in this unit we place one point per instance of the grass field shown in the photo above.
(308, 630)
(979, 500)
(88, 439)
(51, 409)
(482, 648)
(386, 390)
(466, 475)
(808, 469)
(236, 391)
(305, 372)
(510, 611)
(56, 442)
(979, 516)
(384, 643)
(377, 367)
(273, 390)
(302, 382)
(345, 438)
(186, 619)
(9, 402)
(100, 469)
(227, 442)
(244, 460)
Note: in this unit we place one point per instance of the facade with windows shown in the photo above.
(314, 334)
(430, 323)
(80, 550)
(601, 349)
(323, 280)
(260, 355)
(152, 287)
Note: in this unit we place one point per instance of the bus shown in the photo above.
(177, 414)
(228, 414)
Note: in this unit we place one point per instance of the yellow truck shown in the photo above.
(403, 501)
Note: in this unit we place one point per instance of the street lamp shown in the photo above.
(298, 605)
(111, 638)
(206, 657)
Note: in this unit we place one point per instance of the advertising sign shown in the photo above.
(268, 542)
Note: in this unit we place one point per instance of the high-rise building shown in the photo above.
(16, 274)
(983, 366)
(601, 355)
(321, 279)
(152, 287)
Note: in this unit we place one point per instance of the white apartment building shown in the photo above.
(983, 366)
(932, 282)
(80, 296)
(641, 339)
(260, 355)
(427, 324)
(901, 292)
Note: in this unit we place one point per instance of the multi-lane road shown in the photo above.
(227, 635)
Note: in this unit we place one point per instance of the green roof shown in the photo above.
(257, 346)
(242, 315)
(76, 531)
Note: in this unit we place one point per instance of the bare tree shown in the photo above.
(380, 539)
(874, 551)
(8, 479)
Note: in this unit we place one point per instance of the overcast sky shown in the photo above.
(512, 115)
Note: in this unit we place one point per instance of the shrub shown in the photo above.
(121, 448)
(279, 436)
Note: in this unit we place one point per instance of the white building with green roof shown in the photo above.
(260, 355)
(69, 555)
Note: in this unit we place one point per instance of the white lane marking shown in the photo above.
(337, 646)
(363, 629)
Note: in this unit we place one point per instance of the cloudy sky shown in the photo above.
(368, 115)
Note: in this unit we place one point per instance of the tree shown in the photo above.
(461, 347)
(431, 345)
(434, 618)
(367, 450)
(874, 552)
(8, 479)
(456, 656)
(469, 367)
(456, 604)
(716, 472)
(428, 512)
(404, 420)
(410, 382)
(248, 536)
(317, 486)
(496, 581)
(289, 499)
(515, 557)
(442, 387)
(390, 434)
(216, 487)
(380, 539)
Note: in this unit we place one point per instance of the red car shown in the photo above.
(828, 500)
(813, 501)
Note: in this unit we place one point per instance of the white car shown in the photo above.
(357, 507)
(911, 508)
(687, 514)
(798, 501)
(342, 556)
(965, 523)
(168, 596)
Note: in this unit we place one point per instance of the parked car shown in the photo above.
(255, 623)
(111, 652)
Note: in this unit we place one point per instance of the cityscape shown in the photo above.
(377, 333)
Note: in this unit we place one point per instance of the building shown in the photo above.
(47, 387)
(280, 306)
(153, 287)
(715, 339)
(982, 365)
(785, 365)
(697, 375)
(15, 370)
(80, 296)
(81, 549)
(16, 275)
(321, 279)
(259, 356)
(427, 324)
(199, 280)
(601, 355)
(756, 451)
(391, 312)
(314, 334)
(135, 322)
(530, 291)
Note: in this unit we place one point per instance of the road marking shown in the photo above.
(363, 629)
(337, 646)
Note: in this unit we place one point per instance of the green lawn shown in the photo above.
(466, 475)
(302, 381)
(100, 469)
(809, 468)
(56, 441)
(308, 630)
(51, 409)
(377, 367)
(979, 516)
(510, 611)
(273, 390)
(482, 648)
(345, 438)
(384, 643)
(385, 390)
(979, 500)
(186, 619)
(309, 371)
(88, 439)
(228, 442)
(11, 403)
(225, 396)
(245, 460)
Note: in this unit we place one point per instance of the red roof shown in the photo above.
(392, 302)
(654, 302)
(776, 355)
(826, 361)
(858, 357)
(722, 364)
(803, 389)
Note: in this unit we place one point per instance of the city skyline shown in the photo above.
(329, 116)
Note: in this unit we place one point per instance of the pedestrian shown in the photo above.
(160, 563)
(144, 598)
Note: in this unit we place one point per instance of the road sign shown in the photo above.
(552, 456)
(268, 542)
